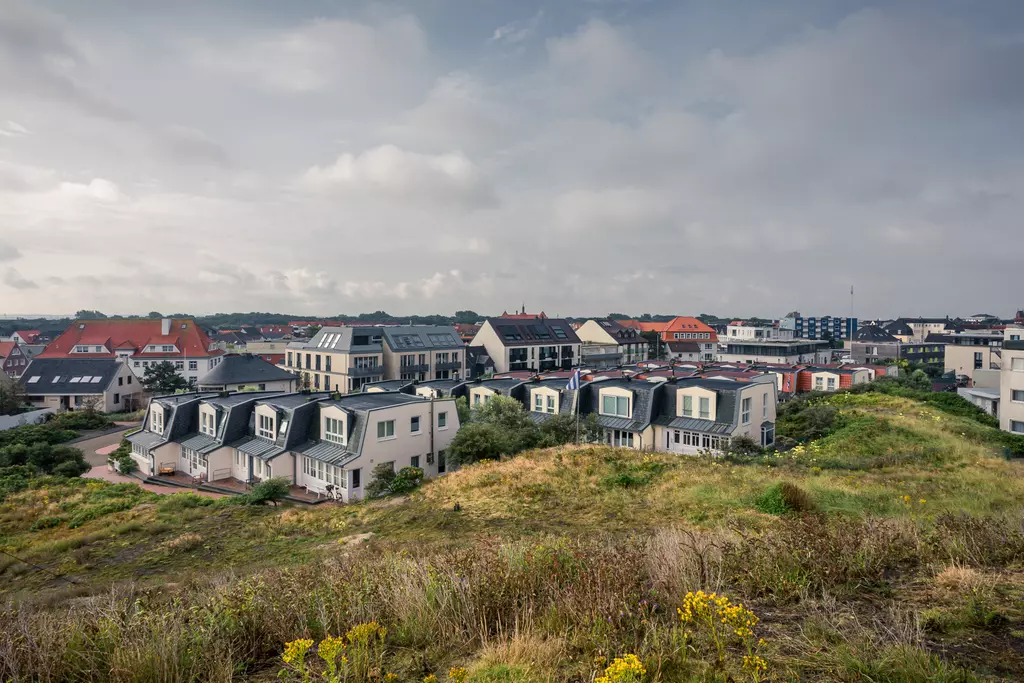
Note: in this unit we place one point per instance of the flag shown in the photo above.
(574, 381)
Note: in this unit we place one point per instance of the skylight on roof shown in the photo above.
(33, 379)
(56, 379)
(75, 380)
(95, 380)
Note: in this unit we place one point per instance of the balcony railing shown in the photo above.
(372, 371)
(418, 367)
(450, 365)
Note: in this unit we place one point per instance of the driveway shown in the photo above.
(97, 443)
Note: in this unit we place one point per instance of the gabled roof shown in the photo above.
(683, 346)
(620, 332)
(29, 336)
(244, 369)
(411, 338)
(346, 338)
(6, 347)
(135, 334)
(874, 333)
(897, 327)
(533, 332)
(86, 376)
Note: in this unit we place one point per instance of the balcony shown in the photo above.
(411, 369)
(450, 365)
(372, 371)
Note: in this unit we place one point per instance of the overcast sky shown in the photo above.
(581, 156)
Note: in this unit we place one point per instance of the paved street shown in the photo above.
(102, 472)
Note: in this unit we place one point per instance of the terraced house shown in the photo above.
(699, 414)
(609, 343)
(324, 445)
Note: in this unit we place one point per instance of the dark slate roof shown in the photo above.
(409, 338)
(244, 369)
(874, 333)
(726, 406)
(683, 346)
(899, 327)
(355, 339)
(388, 385)
(444, 387)
(69, 373)
(620, 332)
(533, 331)
(645, 397)
(505, 387)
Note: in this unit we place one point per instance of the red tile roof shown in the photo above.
(28, 335)
(6, 348)
(653, 327)
(136, 335)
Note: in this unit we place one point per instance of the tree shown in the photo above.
(517, 430)
(12, 395)
(919, 380)
(562, 429)
(86, 314)
(474, 442)
(155, 314)
(48, 458)
(305, 382)
(462, 408)
(162, 378)
(468, 317)
(657, 349)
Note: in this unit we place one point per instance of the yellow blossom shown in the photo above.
(295, 651)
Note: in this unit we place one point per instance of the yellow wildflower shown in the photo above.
(430, 678)
(457, 674)
(296, 650)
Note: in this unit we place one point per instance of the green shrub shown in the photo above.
(46, 523)
(26, 434)
(271, 491)
(182, 501)
(14, 479)
(804, 419)
(784, 497)
(386, 481)
(81, 420)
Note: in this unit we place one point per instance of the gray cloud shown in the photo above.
(581, 161)
(14, 280)
(8, 252)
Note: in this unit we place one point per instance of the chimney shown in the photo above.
(165, 327)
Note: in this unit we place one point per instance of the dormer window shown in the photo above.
(334, 430)
(156, 421)
(265, 427)
(615, 405)
(208, 424)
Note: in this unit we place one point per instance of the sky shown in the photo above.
(576, 156)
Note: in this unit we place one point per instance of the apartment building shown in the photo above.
(796, 352)
(698, 414)
(423, 352)
(537, 344)
(823, 327)
(968, 352)
(609, 343)
(689, 329)
(1011, 381)
(338, 359)
(872, 344)
(142, 343)
(744, 331)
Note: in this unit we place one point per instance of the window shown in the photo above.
(316, 381)
(1016, 426)
(538, 403)
(129, 379)
(414, 424)
(208, 424)
(442, 420)
(676, 434)
(551, 404)
(179, 365)
(334, 430)
(386, 429)
(135, 363)
(193, 365)
(117, 398)
(289, 359)
(156, 422)
(687, 406)
(764, 405)
(831, 383)
(1017, 364)
(819, 383)
(705, 409)
(356, 483)
(265, 427)
(615, 405)
(120, 381)
(327, 363)
(33, 379)
(167, 348)
(441, 465)
(977, 360)
(476, 400)
(745, 411)
(1018, 396)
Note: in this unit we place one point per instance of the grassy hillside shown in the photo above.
(890, 549)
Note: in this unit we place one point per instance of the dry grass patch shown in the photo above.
(961, 579)
(526, 650)
(183, 543)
